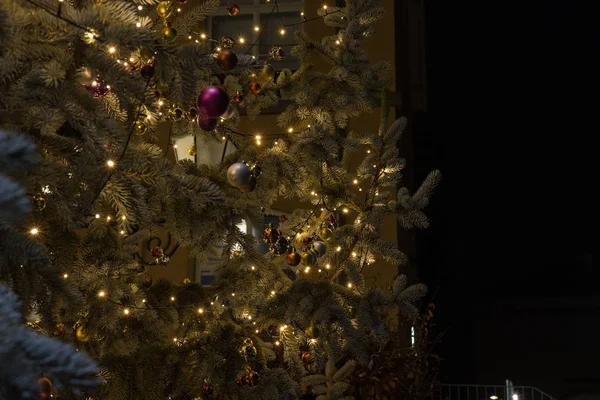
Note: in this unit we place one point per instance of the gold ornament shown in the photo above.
(192, 150)
(175, 114)
(267, 73)
(168, 33)
(277, 53)
(40, 202)
(227, 42)
(312, 332)
(140, 128)
(164, 9)
(326, 234)
(226, 60)
(82, 335)
(233, 10)
(308, 258)
(191, 115)
(187, 281)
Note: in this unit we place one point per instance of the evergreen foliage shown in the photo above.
(80, 191)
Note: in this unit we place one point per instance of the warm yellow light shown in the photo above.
(339, 248)
(179, 10)
(125, 63)
(249, 316)
(144, 300)
(345, 210)
(110, 163)
(368, 151)
(256, 28)
(337, 42)
(320, 270)
(232, 294)
(374, 166)
(122, 232)
(354, 254)
(65, 276)
(203, 35)
(282, 32)
(306, 270)
(302, 14)
(172, 298)
(312, 193)
(174, 339)
(200, 311)
(290, 130)
(277, 343)
(324, 6)
(97, 216)
(112, 50)
(258, 137)
(273, 292)
(276, 143)
(349, 285)
(327, 266)
(101, 293)
(223, 138)
(138, 24)
(281, 329)
(126, 311)
(256, 331)
(148, 116)
(90, 35)
(140, 8)
(355, 181)
(108, 218)
(123, 218)
(218, 49)
(190, 36)
(34, 231)
(241, 40)
(313, 341)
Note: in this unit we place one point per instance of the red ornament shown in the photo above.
(239, 97)
(45, 388)
(306, 240)
(213, 101)
(147, 71)
(282, 218)
(293, 258)
(98, 88)
(226, 60)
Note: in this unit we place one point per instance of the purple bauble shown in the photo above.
(205, 123)
(213, 101)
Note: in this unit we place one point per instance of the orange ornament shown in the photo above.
(254, 88)
(45, 387)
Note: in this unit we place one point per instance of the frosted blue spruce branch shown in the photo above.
(25, 355)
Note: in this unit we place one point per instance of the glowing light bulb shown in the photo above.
(253, 268)
(327, 266)
(242, 40)
(290, 130)
(302, 14)
(354, 254)
(179, 10)
(203, 35)
(337, 42)
(256, 28)
(355, 181)
(138, 24)
(324, 6)
(282, 32)
(190, 36)
(110, 163)
(306, 270)
(256, 331)
(123, 218)
(368, 151)
(122, 232)
(101, 293)
(90, 35)
(112, 50)
(126, 311)
(143, 300)
(277, 343)
(349, 285)
(140, 8)
(200, 311)
(339, 248)
(218, 49)
(281, 329)
(232, 294)
(345, 210)
(34, 231)
(97, 216)
(273, 292)
(172, 298)
(108, 218)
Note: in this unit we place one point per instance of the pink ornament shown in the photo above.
(205, 123)
(213, 101)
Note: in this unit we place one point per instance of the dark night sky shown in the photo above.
(513, 111)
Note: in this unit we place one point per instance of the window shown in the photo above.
(261, 13)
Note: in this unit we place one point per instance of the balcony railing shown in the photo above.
(491, 392)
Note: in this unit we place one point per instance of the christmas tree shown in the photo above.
(86, 90)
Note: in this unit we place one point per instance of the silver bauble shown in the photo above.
(228, 113)
(239, 174)
(320, 247)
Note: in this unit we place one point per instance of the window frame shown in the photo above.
(256, 10)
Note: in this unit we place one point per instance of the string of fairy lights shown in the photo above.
(93, 37)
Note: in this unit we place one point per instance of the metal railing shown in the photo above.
(491, 392)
